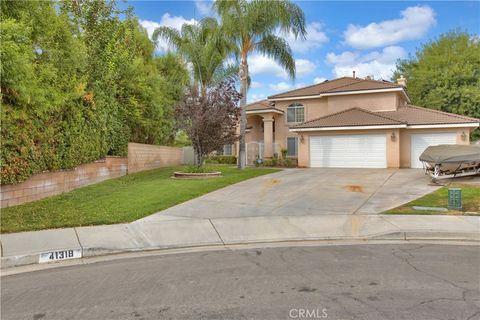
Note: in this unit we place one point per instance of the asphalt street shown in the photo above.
(371, 281)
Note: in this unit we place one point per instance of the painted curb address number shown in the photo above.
(60, 255)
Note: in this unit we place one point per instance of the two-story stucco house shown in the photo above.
(350, 122)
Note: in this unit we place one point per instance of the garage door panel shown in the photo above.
(348, 151)
(420, 141)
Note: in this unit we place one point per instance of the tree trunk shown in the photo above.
(243, 75)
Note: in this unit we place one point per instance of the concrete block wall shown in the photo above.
(140, 157)
(49, 184)
(145, 157)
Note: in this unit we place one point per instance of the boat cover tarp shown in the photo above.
(451, 153)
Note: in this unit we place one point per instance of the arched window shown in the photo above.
(295, 112)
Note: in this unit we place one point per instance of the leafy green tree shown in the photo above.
(79, 81)
(445, 75)
(204, 47)
(253, 26)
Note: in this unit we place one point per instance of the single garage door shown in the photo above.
(420, 142)
(348, 151)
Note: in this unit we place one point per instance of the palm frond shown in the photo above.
(279, 50)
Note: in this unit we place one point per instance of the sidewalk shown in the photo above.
(167, 232)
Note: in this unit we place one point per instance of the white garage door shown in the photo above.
(348, 151)
(420, 142)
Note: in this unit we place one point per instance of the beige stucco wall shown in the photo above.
(405, 137)
(256, 132)
(398, 147)
(316, 108)
(373, 102)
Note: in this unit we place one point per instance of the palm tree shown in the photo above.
(253, 26)
(204, 47)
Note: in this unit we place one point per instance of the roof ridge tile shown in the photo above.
(442, 112)
(310, 86)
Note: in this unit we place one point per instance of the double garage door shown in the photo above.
(367, 150)
(349, 151)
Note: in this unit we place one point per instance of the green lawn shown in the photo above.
(470, 198)
(118, 200)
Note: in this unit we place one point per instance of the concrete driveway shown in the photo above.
(300, 192)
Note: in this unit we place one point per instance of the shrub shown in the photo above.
(289, 162)
(222, 159)
(268, 163)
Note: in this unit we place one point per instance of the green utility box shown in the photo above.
(455, 199)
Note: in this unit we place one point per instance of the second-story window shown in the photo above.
(295, 113)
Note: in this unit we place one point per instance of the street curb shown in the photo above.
(87, 252)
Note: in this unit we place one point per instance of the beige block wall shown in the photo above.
(140, 157)
(405, 137)
(48, 184)
(145, 157)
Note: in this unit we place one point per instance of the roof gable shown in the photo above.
(414, 115)
(350, 118)
(406, 116)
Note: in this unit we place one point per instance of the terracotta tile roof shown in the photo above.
(350, 118)
(414, 115)
(404, 115)
(261, 105)
(343, 84)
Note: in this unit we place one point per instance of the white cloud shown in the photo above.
(167, 20)
(304, 67)
(259, 64)
(256, 97)
(375, 63)
(413, 24)
(204, 7)
(319, 79)
(315, 39)
(281, 86)
(255, 84)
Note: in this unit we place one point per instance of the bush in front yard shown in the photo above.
(222, 159)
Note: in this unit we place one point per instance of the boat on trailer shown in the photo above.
(451, 161)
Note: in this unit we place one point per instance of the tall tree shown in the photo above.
(445, 75)
(204, 47)
(253, 26)
(79, 80)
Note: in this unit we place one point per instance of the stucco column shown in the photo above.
(268, 136)
(393, 148)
